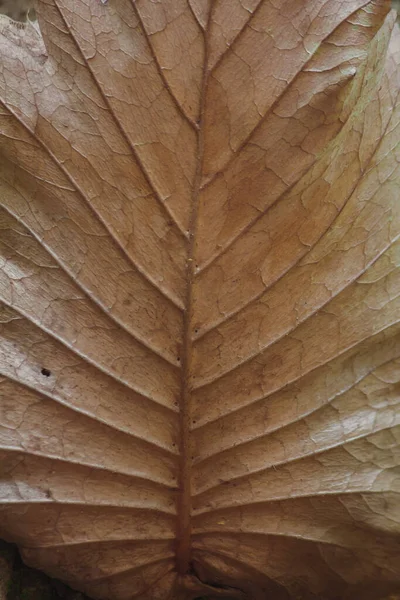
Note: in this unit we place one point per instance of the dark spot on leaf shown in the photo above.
(45, 372)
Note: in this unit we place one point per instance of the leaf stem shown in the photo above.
(183, 551)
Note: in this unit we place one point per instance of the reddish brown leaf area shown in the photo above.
(200, 333)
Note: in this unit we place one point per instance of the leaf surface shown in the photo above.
(200, 286)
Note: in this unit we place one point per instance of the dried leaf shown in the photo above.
(200, 333)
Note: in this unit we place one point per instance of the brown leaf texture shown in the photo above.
(200, 286)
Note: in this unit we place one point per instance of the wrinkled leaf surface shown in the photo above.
(200, 336)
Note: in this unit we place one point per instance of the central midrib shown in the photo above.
(183, 550)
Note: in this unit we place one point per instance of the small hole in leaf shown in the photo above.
(179, 359)
(45, 372)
